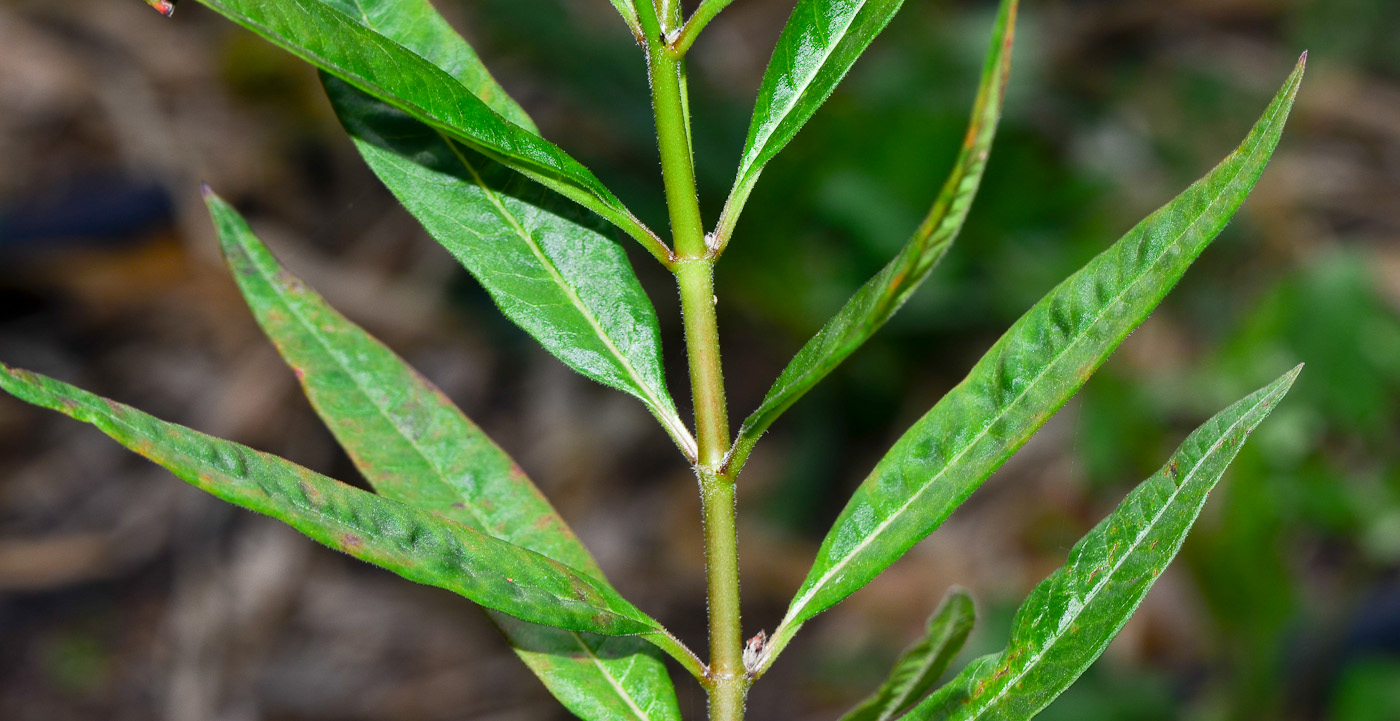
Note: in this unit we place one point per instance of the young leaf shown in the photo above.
(819, 44)
(566, 284)
(882, 295)
(413, 445)
(1028, 375)
(417, 25)
(413, 543)
(1069, 619)
(919, 668)
(344, 47)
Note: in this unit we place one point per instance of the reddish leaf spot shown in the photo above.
(350, 541)
(310, 492)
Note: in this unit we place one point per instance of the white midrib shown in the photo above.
(1132, 548)
(672, 423)
(762, 137)
(612, 680)
(801, 602)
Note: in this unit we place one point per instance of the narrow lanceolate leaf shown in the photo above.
(413, 543)
(920, 667)
(565, 283)
(819, 44)
(1069, 619)
(345, 47)
(1027, 375)
(883, 294)
(413, 445)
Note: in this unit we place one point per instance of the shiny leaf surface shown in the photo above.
(1070, 617)
(411, 542)
(413, 445)
(566, 284)
(920, 667)
(1026, 376)
(418, 27)
(882, 295)
(818, 46)
(344, 46)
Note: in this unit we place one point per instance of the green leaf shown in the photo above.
(413, 445)
(882, 295)
(343, 46)
(566, 284)
(418, 27)
(920, 667)
(819, 44)
(1026, 376)
(413, 543)
(1070, 618)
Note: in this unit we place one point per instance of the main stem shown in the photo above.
(727, 681)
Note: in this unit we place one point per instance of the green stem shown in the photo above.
(727, 680)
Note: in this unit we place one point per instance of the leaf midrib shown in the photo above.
(869, 538)
(672, 423)
(761, 137)
(1177, 490)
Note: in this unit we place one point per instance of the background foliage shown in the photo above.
(124, 595)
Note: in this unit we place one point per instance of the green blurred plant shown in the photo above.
(452, 510)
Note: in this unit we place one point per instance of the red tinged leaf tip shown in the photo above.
(164, 7)
(206, 191)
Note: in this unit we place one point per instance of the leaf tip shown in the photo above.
(206, 192)
(1292, 375)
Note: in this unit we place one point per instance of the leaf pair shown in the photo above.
(1070, 618)
(449, 142)
(411, 542)
(454, 511)
(1027, 375)
(884, 294)
(442, 133)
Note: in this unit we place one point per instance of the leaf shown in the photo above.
(567, 285)
(920, 667)
(341, 45)
(413, 445)
(1028, 375)
(882, 295)
(629, 15)
(1070, 618)
(413, 543)
(418, 27)
(819, 44)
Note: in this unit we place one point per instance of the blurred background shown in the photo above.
(125, 594)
